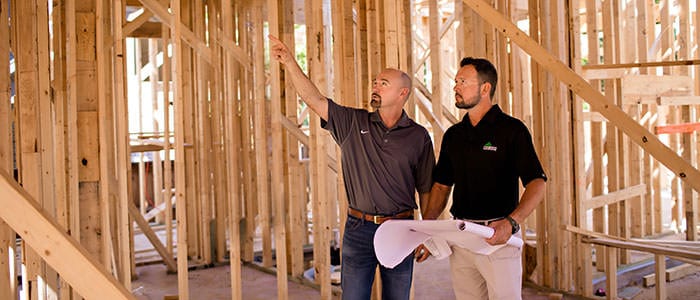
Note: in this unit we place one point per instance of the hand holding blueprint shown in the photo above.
(396, 239)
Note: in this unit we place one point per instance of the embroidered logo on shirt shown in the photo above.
(362, 131)
(489, 147)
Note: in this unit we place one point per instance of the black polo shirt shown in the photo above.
(382, 167)
(484, 163)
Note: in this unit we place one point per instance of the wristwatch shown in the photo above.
(514, 224)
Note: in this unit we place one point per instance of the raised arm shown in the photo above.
(305, 88)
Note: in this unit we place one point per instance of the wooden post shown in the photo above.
(232, 147)
(123, 161)
(316, 54)
(167, 168)
(249, 189)
(277, 176)
(436, 68)
(660, 272)
(688, 140)
(297, 227)
(260, 134)
(611, 273)
(581, 252)
(30, 100)
(8, 284)
(180, 189)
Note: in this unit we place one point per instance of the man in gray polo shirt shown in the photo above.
(386, 158)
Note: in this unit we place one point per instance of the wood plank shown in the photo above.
(276, 172)
(607, 66)
(316, 52)
(659, 270)
(180, 188)
(677, 128)
(232, 147)
(436, 69)
(611, 273)
(597, 101)
(8, 278)
(581, 251)
(678, 100)
(260, 136)
(200, 46)
(123, 164)
(58, 249)
(296, 186)
(152, 237)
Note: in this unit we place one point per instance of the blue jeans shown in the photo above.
(359, 264)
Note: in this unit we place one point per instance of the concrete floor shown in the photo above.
(432, 281)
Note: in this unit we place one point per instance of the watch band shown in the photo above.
(513, 224)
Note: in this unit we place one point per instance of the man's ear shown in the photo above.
(404, 91)
(486, 88)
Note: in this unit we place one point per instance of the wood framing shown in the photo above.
(58, 249)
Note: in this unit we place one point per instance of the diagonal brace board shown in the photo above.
(58, 249)
(190, 38)
(595, 99)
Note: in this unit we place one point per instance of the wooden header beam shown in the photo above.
(59, 250)
(678, 128)
(594, 98)
(691, 62)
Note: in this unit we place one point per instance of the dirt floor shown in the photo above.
(431, 282)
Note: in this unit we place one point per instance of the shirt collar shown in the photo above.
(404, 120)
(490, 117)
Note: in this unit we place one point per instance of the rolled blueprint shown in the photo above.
(396, 239)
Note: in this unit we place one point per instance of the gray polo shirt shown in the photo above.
(382, 167)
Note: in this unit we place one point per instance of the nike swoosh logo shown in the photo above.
(363, 131)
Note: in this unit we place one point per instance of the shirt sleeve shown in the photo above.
(340, 121)
(443, 173)
(527, 164)
(425, 166)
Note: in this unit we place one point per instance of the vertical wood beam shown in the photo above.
(232, 148)
(30, 100)
(8, 284)
(260, 134)
(168, 167)
(611, 273)
(660, 272)
(581, 260)
(248, 154)
(123, 161)
(316, 54)
(180, 189)
(435, 21)
(277, 176)
(297, 227)
(688, 140)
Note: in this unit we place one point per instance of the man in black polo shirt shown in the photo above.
(386, 158)
(483, 156)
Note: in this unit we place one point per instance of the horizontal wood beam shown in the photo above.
(642, 247)
(616, 196)
(592, 96)
(62, 252)
(691, 62)
(677, 128)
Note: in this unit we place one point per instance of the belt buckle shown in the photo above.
(375, 219)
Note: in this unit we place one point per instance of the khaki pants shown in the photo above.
(494, 276)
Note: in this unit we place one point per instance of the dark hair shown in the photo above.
(485, 71)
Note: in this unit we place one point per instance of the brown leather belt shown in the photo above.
(379, 219)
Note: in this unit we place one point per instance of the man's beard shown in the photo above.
(376, 101)
(464, 105)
